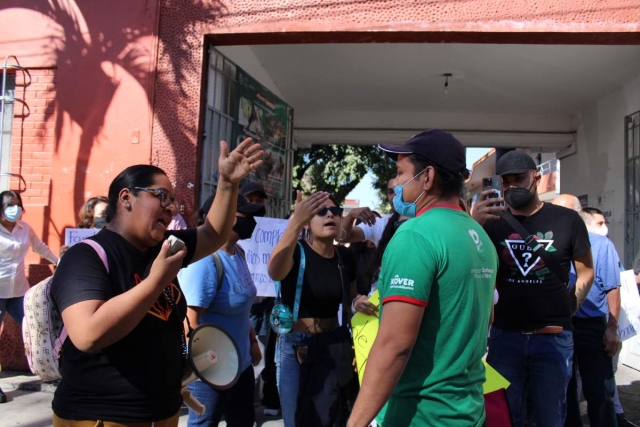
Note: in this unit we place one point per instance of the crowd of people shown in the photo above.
(532, 285)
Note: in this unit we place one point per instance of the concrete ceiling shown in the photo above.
(532, 79)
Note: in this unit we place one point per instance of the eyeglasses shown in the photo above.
(162, 194)
(336, 211)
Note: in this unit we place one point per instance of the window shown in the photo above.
(6, 120)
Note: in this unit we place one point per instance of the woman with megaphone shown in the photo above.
(220, 291)
(123, 362)
(314, 352)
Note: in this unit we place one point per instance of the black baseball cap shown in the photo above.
(435, 145)
(514, 162)
(244, 206)
(253, 187)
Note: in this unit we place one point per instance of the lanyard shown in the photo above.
(296, 303)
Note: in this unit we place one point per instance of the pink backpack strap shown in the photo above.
(100, 251)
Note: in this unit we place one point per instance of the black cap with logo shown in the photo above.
(514, 162)
(435, 145)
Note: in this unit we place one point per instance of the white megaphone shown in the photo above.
(214, 359)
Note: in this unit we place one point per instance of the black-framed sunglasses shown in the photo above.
(162, 194)
(336, 211)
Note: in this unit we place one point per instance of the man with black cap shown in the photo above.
(436, 287)
(531, 343)
(254, 193)
(219, 289)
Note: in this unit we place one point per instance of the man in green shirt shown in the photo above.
(436, 287)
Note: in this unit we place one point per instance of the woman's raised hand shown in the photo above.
(306, 209)
(236, 165)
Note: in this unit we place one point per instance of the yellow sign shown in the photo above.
(365, 329)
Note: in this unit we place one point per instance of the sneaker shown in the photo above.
(624, 422)
(271, 411)
(3, 397)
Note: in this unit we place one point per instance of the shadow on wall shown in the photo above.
(96, 42)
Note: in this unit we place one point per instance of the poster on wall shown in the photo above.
(265, 118)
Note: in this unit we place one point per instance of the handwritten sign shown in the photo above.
(76, 235)
(258, 248)
(365, 329)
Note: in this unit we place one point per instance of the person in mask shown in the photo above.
(595, 326)
(436, 288)
(227, 304)
(16, 237)
(531, 339)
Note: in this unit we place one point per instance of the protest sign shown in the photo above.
(76, 235)
(629, 318)
(258, 248)
(365, 329)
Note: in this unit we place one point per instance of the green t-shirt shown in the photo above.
(444, 261)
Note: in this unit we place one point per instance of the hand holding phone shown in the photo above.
(176, 244)
(494, 183)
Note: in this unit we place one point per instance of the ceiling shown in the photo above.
(546, 79)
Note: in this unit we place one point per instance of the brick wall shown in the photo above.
(33, 134)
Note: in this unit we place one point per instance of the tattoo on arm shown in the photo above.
(226, 188)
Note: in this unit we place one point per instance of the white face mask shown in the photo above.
(12, 213)
(603, 231)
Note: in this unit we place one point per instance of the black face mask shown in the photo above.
(519, 198)
(244, 226)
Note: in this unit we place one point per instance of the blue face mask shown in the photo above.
(12, 213)
(405, 208)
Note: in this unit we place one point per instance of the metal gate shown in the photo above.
(221, 119)
(632, 187)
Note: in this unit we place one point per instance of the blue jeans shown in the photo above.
(235, 403)
(288, 375)
(541, 364)
(15, 307)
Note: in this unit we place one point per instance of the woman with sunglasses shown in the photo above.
(327, 269)
(122, 306)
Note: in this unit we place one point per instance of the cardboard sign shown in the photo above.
(365, 329)
(258, 248)
(76, 235)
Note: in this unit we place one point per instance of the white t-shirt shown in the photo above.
(374, 232)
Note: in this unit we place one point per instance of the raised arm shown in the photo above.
(233, 167)
(281, 260)
(351, 233)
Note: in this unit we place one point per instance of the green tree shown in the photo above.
(339, 168)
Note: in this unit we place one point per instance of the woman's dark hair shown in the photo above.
(87, 211)
(6, 197)
(373, 269)
(449, 184)
(133, 176)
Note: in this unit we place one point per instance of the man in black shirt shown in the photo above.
(531, 342)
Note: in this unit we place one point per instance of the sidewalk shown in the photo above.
(29, 402)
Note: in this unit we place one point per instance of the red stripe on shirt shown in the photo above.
(439, 205)
(409, 300)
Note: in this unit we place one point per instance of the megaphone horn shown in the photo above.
(214, 359)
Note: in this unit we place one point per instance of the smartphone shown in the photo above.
(494, 183)
(176, 244)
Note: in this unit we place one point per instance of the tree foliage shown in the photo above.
(339, 168)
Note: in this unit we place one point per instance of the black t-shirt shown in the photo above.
(532, 295)
(321, 287)
(139, 377)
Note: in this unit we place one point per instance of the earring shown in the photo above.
(128, 206)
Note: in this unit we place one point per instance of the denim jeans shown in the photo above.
(235, 403)
(15, 307)
(596, 372)
(541, 364)
(288, 375)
